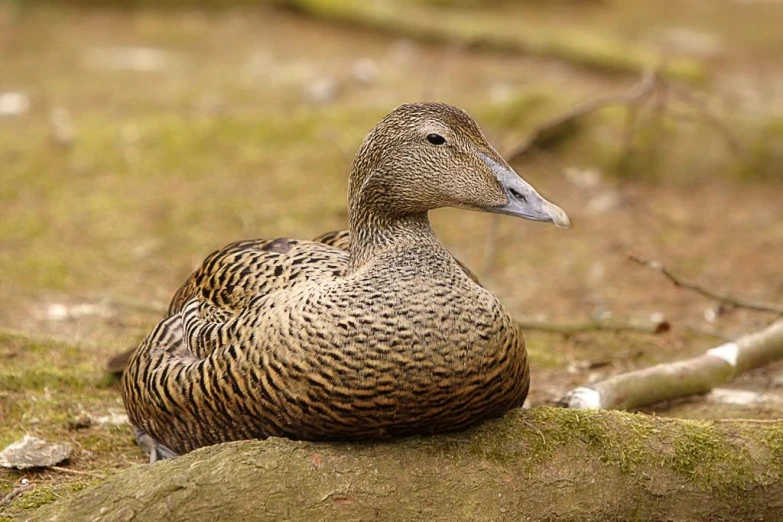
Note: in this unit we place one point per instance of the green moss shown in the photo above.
(624, 445)
(43, 495)
(36, 364)
(695, 449)
(764, 156)
(545, 350)
(703, 455)
(774, 443)
(519, 111)
(699, 452)
(35, 498)
(74, 378)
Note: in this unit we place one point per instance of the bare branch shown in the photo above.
(78, 472)
(694, 376)
(738, 302)
(652, 87)
(636, 94)
(20, 488)
(594, 325)
(706, 115)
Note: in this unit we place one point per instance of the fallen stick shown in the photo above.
(594, 325)
(666, 381)
(20, 488)
(737, 302)
(539, 464)
(543, 132)
(598, 51)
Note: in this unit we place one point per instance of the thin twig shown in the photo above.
(20, 488)
(738, 302)
(143, 306)
(635, 94)
(709, 332)
(78, 472)
(708, 117)
(594, 325)
(652, 86)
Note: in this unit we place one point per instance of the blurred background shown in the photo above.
(138, 136)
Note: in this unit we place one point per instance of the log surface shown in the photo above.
(540, 464)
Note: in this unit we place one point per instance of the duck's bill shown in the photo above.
(541, 210)
(525, 202)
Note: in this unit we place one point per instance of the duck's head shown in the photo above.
(425, 156)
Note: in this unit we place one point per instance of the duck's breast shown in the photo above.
(391, 352)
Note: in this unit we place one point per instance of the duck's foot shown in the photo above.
(152, 447)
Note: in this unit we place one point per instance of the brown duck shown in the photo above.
(374, 333)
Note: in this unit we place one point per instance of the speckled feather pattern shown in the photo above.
(375, 333)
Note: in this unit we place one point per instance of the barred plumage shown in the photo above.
(373, 333)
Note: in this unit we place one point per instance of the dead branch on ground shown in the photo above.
(594, 325)
(734, 301)
(653, 89)
(694, 376)
(20, 488)
(545, 131)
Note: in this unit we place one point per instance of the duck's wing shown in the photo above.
(229, 277)
(202, 313)
(338, 239)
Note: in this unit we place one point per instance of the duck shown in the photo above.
(369, 333)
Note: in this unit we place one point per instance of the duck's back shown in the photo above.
(274, 339)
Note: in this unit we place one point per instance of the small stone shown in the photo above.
(604, 203)
(13, 103)
(114, 418)
(602, 314)
(688, 40)
(365, 71)
(501, 93)
(137, 59)
(737, 397)
(322, 90)
(32, 452)
(404, 51)
(62, 130)
(63, 312)
(583, 178)
(80, 423)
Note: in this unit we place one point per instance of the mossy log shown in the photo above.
(539, 464)
(594, 50)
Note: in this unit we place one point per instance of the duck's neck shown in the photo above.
(374, 232)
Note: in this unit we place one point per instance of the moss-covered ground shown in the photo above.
(130, 166)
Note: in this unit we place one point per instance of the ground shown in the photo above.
(153, 137)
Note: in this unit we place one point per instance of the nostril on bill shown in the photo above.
(518, 195)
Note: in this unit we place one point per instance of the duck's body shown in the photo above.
(306, 340)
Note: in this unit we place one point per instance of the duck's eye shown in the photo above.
(436, 139)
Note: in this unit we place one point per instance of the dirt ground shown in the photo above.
(149, 138)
